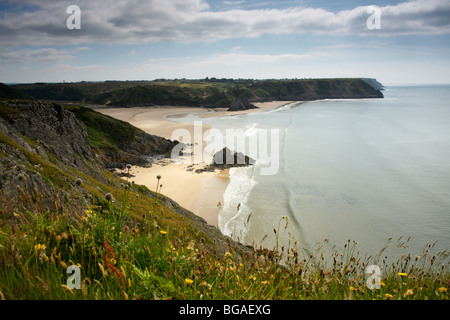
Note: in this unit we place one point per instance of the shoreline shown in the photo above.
(200, 193)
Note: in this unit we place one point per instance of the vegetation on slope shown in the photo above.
(131, 243)
(127, 252)
(205, 93)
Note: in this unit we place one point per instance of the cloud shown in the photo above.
(136, 21)
(27, 56)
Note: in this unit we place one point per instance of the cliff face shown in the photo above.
(212, 93)
(43, 148)
(47, 163)
(315, 89)
(55, 129)
(45, 136)
(118, 143)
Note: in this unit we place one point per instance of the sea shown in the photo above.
(367, 172)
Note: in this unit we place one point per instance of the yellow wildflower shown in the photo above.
(352, 288)
(382, 283)
(265, 282)
(163, 232)
(40, 247)
(188, 281)
(402, 274)
(442, 289)
(389, 296)
(252, 278)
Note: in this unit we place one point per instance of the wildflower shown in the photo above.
(39, 247)
(442, 289)
(382, 283)
(265, 282)
(252, 277)
(188, 281)
(352, 288)
(162, 232)
(205, 284)
(402, 274)
(389, 296)
(408, 292)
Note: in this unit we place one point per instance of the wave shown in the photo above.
(284, 107)
(234, 216)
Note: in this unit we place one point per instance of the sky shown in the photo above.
(396, 42)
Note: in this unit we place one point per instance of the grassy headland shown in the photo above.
(209, 92)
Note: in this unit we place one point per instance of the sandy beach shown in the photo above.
(201, 193)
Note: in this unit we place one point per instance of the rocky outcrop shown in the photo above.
(55, 129)
(118, 143)
(142, 151)
(225, 159)
(43, 148)
(241, 103)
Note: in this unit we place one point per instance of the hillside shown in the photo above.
(118, 143)
(60, 208)
(211, 93)
(44, 149)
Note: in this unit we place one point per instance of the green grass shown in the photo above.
(133, 247)
(104, 131)
(203, 92)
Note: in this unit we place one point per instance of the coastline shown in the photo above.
(200, 193)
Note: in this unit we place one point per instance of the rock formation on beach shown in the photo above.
(226, 159)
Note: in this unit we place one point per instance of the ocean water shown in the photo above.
(361, 170)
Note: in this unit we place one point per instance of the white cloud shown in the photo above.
(42, 55)
(190, 20)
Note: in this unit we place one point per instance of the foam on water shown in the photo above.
(233, 218)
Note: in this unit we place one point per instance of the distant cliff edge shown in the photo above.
(234, 94)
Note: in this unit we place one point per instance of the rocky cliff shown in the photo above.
(118, 143)
(44, 149)
(47, 164)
